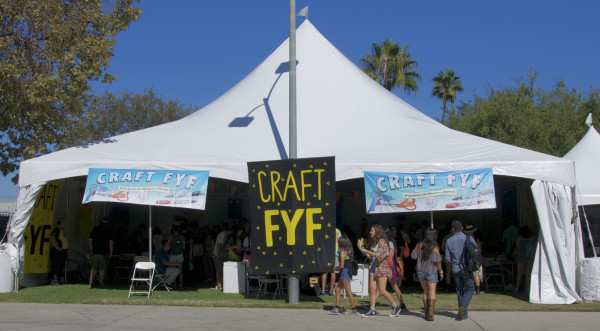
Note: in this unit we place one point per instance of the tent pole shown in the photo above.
(149, 233)
(293, 279)
(431, 217)
(66, 227)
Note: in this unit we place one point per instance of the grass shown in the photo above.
(205, 297)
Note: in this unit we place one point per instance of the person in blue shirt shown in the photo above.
(163, 266)
(464, 281)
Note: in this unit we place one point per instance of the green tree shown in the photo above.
(549, 121)
(111, 115)
(49, 51)
(446, 84)
(391, 66)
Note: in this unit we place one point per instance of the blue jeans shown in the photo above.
(430, 278)
(465, 286)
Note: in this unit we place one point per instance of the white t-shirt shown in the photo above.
(221, 238)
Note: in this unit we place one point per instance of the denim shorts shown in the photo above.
(372, 267)
(430, 278)
(345, 275)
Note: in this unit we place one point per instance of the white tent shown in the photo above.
(586, 155)
(341, 112)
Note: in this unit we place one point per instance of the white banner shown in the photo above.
(169, 188)
(387, 192)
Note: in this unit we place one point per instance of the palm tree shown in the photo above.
(445, 87)
(392, 66)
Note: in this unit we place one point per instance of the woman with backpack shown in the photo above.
(429, 263)
(346, 255)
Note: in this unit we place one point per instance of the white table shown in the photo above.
(234, 277)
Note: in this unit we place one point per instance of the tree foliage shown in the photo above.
(445, 86)
(548, 121)
(111, 115)
(391, 66)
(49, 51)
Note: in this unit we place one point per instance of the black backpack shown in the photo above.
(471, 258)
(353, 268)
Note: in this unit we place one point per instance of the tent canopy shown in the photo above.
(341, 112)
(586, 155)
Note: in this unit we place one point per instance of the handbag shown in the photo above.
(400, 267)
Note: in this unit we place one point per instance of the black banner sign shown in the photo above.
(292, 212)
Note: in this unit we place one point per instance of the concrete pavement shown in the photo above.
(25, 316)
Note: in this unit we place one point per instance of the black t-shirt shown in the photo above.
(101, 237)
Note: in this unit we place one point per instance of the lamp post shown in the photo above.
(293, 279)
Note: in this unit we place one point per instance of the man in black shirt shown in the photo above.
(101, 245)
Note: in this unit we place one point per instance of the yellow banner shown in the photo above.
(37, 234)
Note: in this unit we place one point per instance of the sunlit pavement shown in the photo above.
(21, 316)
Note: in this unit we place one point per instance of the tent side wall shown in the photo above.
(554, 278)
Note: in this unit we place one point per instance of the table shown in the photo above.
(360, 282)
(234, 277)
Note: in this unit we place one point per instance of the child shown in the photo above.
(346, 254)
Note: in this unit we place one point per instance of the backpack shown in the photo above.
(353, 268)
(176, 245)
(471, 259)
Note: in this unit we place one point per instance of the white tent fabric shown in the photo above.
(553, 279)
(341, 112)
(586, 155)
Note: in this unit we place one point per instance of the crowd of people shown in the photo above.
(385, 250)
(189, 253)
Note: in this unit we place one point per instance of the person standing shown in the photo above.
(233, 244)
(526, 242)
(220, 254)
(333, 274)
(394, 279)
(509, 238)
(345, 257)
(101, 243)
(463, 280)
(177, 243)
(429, 263)
(58, 252)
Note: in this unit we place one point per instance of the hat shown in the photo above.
(104, 220)
(470, 229)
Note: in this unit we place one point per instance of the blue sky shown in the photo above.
(193, 51)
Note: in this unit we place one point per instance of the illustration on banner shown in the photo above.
(387, 192)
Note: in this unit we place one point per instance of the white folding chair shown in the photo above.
(143, 274)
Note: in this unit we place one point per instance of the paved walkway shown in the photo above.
(24, 316)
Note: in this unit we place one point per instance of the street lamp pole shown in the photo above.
(293, 279)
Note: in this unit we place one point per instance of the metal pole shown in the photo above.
(150, 234)
(293, 133)
(431, 216)
(293, 279)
